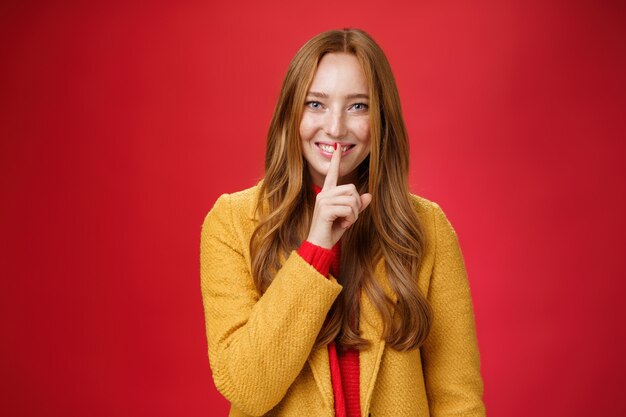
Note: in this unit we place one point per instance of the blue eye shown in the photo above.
(360, 106)
(315, 105)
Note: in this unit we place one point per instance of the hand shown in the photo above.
(336, 207)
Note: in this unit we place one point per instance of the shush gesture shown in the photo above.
(337, 207)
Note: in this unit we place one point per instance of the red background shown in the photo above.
(121, 123)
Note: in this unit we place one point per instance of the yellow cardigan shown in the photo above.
(261, 347)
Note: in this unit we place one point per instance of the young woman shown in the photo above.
(328, 288)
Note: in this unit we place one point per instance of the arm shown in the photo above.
(257, 344)
(450, 353)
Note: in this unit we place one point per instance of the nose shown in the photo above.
(335, 124)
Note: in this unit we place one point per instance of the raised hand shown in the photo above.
(337, 207)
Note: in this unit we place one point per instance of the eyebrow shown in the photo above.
(349, 96)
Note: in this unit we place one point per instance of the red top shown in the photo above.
(344, 367)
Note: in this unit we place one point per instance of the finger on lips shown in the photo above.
(341, 201)
(333, 170)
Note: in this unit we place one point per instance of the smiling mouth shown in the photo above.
(329, 148)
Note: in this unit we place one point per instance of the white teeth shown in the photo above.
(330, 149)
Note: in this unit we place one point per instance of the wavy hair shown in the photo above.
(388, 228)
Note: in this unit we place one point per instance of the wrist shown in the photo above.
(322, 243)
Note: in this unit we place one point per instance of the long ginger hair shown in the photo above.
(388, 228)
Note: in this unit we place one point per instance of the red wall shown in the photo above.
(121, 124)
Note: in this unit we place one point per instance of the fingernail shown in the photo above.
(335, 145)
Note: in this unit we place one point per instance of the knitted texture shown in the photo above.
(260, 347)
(349, 366)
(319, 257)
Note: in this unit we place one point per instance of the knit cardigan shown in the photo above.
(260, 347)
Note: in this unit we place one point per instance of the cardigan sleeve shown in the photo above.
(257, 344)
(450, 353)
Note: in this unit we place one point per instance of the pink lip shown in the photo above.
(328, 154)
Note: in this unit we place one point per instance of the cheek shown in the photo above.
(306, 128)
(362, 130)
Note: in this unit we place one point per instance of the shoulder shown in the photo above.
(232, 214)
(432, 217)
(422, 204)
(426, 209)
(443, 259)
(244, 198)
(237, 204)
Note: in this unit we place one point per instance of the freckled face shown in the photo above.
(336, 110)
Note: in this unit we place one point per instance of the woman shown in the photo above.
(328, 288)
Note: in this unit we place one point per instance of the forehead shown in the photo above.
(339, 73)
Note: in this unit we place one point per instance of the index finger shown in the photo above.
(333, 170)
